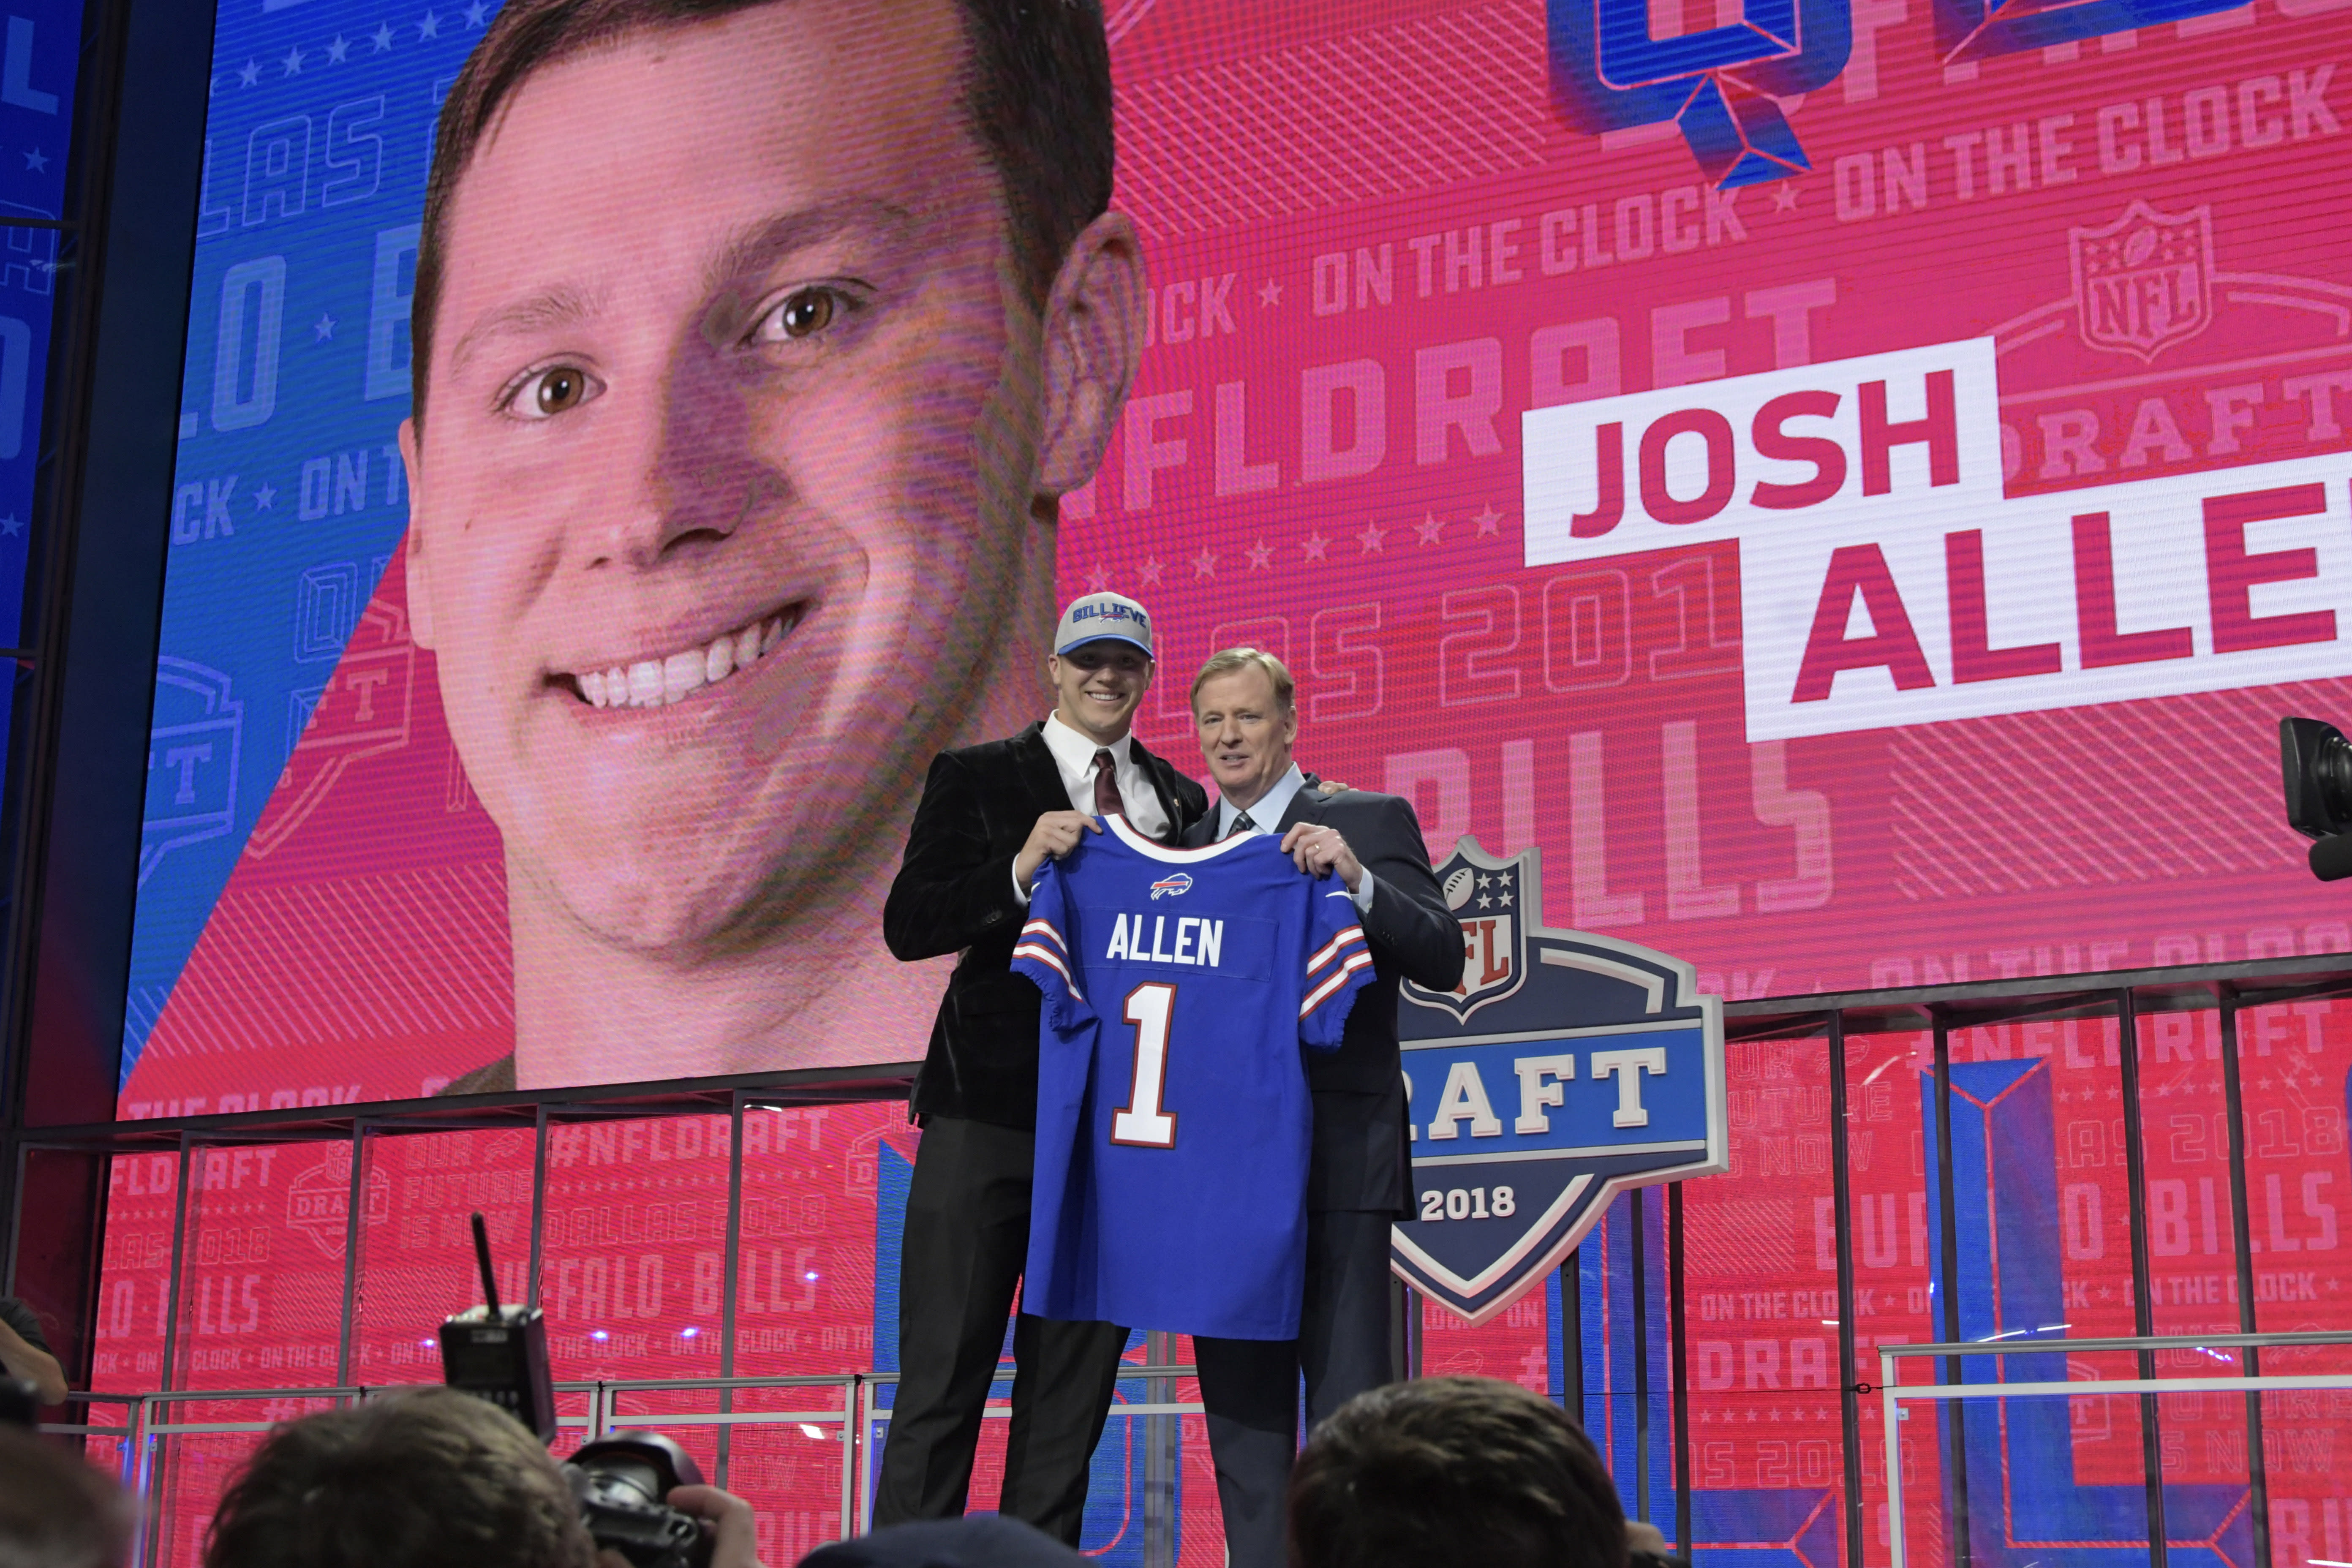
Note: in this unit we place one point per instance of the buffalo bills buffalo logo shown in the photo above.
(1174, 886)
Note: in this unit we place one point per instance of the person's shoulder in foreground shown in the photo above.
(977, 1541)
(1454, 1472)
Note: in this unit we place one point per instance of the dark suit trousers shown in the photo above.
(966, 1240)
(1251, 1387)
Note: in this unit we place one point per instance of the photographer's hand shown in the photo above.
(737, 1539)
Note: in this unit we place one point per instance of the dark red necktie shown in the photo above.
(1106, 797)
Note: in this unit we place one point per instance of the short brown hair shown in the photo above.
(56, 1511)
(1228, 661)
(1037, 87)
(1452, 1472)
(416, 1480)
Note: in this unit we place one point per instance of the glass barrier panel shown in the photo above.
(417, 1261)
(1890, 1132)
(632, 1252)
(1761, 1300)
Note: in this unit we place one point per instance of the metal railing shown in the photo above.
(856, 1415)
(1892, 1395)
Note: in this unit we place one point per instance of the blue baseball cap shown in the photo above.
(1100, 617)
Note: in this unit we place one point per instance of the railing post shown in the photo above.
(1842, 1211)
(1636, 1232)
(730, 1280)
(1678, 1368)
(1161, 1437)
(2241, 1254)
(1888, 1416)
(1956, 1456)
(2143, 1276)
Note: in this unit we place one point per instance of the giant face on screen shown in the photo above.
(721, 469)
(1860, 506)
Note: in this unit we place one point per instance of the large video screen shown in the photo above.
(1855, 484)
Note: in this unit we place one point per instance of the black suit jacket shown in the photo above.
(1361, 1159)
(954, 893)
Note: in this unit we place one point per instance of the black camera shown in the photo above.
(499, 1353)
(2316, 763)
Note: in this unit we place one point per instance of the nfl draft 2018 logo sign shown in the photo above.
(1564, 1070)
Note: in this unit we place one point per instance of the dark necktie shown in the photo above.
(1106, 797)
(1241, 824)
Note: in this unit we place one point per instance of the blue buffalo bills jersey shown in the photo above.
(1173, 1120)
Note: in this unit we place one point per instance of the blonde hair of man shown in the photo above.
(1231, 660)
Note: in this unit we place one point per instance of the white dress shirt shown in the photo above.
(1074, 754)
(1267, 814)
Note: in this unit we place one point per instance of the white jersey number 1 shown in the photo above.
(1142, 1122)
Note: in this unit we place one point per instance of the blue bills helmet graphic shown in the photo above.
(1723, 86)
(1566, 1069)
(1719, 85)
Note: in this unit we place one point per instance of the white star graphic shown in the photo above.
(1315, 545)
(1431, 529)
(1204, 565)
(293, 61)
(1504, 898)
(265, 497)
(1784, 199)
(249, 73)
(1261, 556)
(428, 26)
(36, 161)
(1489, 522)
(1484, 901)
(475, 12)
(381, 39)
(1269, 293)
(1150, 572)
(1098, 579)
(338, 48)
(1369, 542)
(10, 526)
(325, 328)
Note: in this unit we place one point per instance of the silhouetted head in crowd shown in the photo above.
(418, 1479)
(56, 1512)
(1452, 1472)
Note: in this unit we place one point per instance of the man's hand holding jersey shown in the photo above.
(1057, 834)
(1320, 851)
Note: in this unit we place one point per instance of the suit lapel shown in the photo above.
(1039, 773)
(1306, 806)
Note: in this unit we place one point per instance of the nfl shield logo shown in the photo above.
(1488, 896)
(2144, 282)
(1595, 1066)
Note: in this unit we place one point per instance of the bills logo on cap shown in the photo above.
(1100, 616)
(1174, 886)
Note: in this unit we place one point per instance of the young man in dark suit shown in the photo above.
(1359, 1175)
(991, 816)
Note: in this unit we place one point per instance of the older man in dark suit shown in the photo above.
(991, 816)
(1360, 1178)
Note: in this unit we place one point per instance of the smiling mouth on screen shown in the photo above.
(674, 677)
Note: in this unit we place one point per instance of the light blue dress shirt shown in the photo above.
(1267, 812)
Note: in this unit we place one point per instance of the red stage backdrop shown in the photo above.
(1879, 564)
